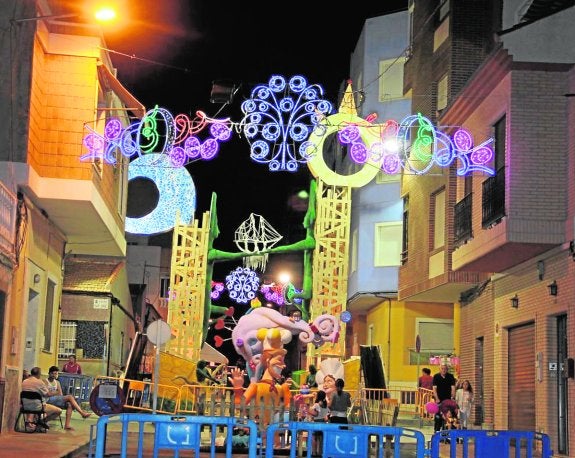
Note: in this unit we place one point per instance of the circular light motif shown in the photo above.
(345, 316)
(176, 193)
(242, 285)
(463, 140)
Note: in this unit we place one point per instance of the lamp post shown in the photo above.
(100, 15)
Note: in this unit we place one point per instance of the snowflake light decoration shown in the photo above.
(242, 285)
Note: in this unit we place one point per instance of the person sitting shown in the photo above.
(72, 367)
(310, 379)
(35, 384)
(56, 397)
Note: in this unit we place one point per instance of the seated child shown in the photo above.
(450, 419)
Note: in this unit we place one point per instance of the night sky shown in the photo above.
(179, 47)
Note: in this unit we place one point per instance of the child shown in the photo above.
(319, 413)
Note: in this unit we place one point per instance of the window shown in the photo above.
(354, 250)
(387, 244)
(443, 11)
(164, 287)
(391, 79)
(49, 315)
(438, 214)
(467, 185)
(67, 344)
(383, 177)
(436, 336)
(500, 135)
(442, 93)
(405, 237)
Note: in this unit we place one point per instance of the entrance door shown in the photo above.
(31, 329)
(521, 382)
(478, 388)
(563, 432)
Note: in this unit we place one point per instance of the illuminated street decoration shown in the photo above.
(217, 289)
(176, 189)
(159, 132)
(253, 236)
(242, 285)
(413, 145)
(281, 116)
(104, 147)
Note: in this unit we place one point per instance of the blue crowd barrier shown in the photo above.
(489, 444)
(79, 386)
(169, 433)
(347, 441)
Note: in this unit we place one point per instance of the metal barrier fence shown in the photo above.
(345, 441)
(168, 433)
(130, 435)
(500, 444)
(79, 386)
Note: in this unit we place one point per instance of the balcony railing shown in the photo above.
(8, 205)
(462, 223)
(493, 199)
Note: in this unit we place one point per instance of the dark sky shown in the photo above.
(180, 47)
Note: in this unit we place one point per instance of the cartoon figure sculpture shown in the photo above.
(325, 328)
(329, 371)
(272, 394)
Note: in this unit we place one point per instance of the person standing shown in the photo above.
(443, 388)
(72, 367)
(464, 399)
(338, 403)
(426, 380)
(310, 379)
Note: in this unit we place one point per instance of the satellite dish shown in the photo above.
(159, 332)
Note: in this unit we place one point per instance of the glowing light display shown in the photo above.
(176, 193)
(217, 289)
(397, 149)
(159, 132)
(281, 116)
(242, 285)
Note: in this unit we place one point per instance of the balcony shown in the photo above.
(516, 223)
(8, 206)
(493, 199)
(462, 224)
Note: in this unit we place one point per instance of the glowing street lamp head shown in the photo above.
(284, 278)
(105, 14)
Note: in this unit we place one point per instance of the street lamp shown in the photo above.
(104, 14)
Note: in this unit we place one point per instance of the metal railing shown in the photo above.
(462, 220)
(8, 206)
(493, 199)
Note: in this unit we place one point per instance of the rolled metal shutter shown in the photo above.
(521, 381)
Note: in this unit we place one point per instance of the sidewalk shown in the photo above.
(55, 443)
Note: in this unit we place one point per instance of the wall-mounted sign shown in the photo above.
(101, 303)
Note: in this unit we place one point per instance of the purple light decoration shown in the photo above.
(217, 289)
(242, 285)
(282, 114)
(391, 164)
(462, 140)
(159, 132)
(104, 148)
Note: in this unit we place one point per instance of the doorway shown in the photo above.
(521, 381)
(562, 400)
(30, 356)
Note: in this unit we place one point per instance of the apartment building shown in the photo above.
(63, 280)
(500, 70)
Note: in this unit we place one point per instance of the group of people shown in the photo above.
(54, 400)
(454, 398)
